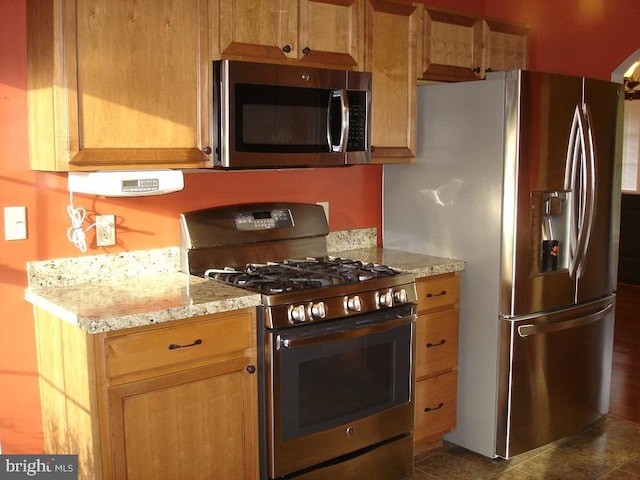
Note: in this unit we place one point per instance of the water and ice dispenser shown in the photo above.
(554, 230)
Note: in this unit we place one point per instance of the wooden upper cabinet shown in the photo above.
(390, 56)
(117, 84)
(458, 47)
(331, 32)
(326, 33)
(452, 47)
(247, 29)
(506, 46)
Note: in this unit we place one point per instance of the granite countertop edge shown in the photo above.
(155, 297)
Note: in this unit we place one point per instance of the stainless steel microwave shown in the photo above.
(279, 116)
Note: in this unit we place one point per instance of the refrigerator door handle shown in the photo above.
(529, 329)
(589, 166)
(580, 178)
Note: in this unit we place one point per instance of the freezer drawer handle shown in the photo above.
(443, 292)
(431, 409)
(526, 330)
(441, 342)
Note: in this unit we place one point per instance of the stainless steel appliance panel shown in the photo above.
(604, 101)
(338, 387)
(506, 167)
(553, 375)
(270, 116)
(540, 109)
(449, 204)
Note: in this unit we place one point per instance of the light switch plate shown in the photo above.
(15, 223)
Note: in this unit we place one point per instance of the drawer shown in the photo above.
(435, 406)
(171, 347)
(438, 292)
(436, 342)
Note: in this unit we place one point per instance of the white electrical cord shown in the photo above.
(75, 234)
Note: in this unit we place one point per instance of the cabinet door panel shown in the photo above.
(129, 84)
(391, 57)
(506, 46)
(187, 425)
(437, 342)
(438, 292)
(171, 347)
(435, 406)
(250, 29)
(452, 48)
(343, 47)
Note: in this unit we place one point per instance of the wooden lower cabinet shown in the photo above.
(127, 415)
(436, 359)
(435, 412)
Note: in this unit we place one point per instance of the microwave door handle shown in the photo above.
(341, 145)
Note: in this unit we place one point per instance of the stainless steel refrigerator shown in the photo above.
(519, 175)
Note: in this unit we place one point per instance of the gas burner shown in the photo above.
(300, 274)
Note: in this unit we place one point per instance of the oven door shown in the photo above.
(337, 388)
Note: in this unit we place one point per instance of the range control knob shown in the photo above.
(319, 310)
(400, 296)
(354, 303)
(385, 299)
(298, 313)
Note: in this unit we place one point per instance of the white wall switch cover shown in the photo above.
(15, 223)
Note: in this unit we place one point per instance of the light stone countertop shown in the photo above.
(147, 288)
(98, 307)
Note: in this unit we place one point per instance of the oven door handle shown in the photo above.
(291, 340)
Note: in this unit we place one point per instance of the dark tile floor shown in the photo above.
(608, 450)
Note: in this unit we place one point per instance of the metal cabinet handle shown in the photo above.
(431, 409)
(174, 346)
(286, 48)
(251, 369)
(443, 292)
(442, 342)
(306, 50)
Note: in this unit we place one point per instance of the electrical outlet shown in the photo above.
(105, 230)
(325, 205)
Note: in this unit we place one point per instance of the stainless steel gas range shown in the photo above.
(336, 339)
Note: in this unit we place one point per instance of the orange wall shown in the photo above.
(566, 36)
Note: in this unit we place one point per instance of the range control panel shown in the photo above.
(264, 219)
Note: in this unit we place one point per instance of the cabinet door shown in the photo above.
(118, 84)
(506, 46)
(438, 292)
(326, 33)
(452, 46)
(199, 424)
(252, 30)
(391, 57)
(343, 45)
(437, 342)
(435, 406)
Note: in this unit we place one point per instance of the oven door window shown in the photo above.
(331, 382)
(280, 119)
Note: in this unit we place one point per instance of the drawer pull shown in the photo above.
(251, 369)
(442, 342)
(173, 346)
(431, 409)
(442, 293)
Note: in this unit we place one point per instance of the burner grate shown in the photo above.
(300, 274)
